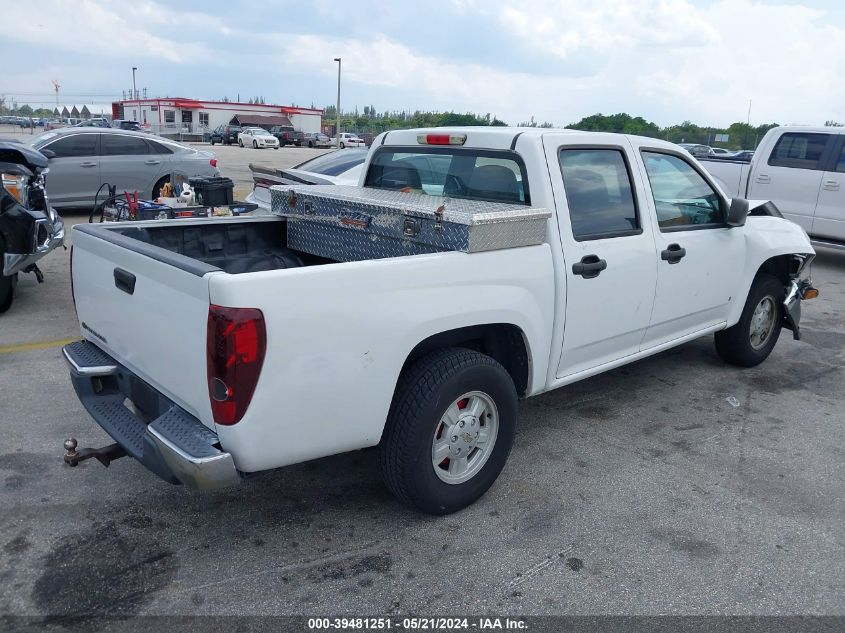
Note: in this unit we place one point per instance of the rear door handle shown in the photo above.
(673, 253)
(763, 179)
(124, 280)
(87, 164)
(589, 267)
(831, 185)
(152, 162)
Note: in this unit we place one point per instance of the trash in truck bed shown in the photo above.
(350, 223)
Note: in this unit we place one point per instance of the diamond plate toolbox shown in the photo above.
(350, 223)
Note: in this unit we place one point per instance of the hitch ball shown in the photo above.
(71, 456)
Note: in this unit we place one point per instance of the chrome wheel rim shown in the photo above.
(464, 437)
(762, 322)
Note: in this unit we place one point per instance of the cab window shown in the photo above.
(599, 193)
(682, 197)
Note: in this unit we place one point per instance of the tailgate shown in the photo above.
(147, 308)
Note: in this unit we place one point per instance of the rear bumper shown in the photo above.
(161, 435)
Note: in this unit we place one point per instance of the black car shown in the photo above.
(29, 227)
(287, 135)
(225, 134)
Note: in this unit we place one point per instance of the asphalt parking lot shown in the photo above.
(676, 485)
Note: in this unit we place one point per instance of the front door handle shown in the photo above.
(88, 164)
(673, 253)
(589, 267)
(831, 185)
(763, 179)
(152, 162)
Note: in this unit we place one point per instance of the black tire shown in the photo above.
(7, 291)
(734, 345)
(424, 392)
(342, 146)
(212, 141)
(255, 145)
(240, 142)
(310, 144)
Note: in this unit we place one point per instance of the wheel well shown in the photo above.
(501, 341)
(780, 266)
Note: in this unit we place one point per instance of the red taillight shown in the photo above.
(213, 162)
(441, 139)
(235, 347)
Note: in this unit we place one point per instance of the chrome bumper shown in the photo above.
(174, 445)
(17, 262)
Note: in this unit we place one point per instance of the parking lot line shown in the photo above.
(26, 347)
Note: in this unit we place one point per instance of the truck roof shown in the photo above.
(504, 137)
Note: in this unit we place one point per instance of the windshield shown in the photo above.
(256, 130)
(477, 174)
(334, 163)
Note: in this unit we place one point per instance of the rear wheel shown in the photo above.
(240, 142)
(752, 339)
(212, 140)
(7, 286)
(449, 431)
(342, 145)
(255, 145)
(310, 144)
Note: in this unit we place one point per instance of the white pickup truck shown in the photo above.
(802, 171)
(211, 351)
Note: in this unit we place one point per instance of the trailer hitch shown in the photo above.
(105, 455)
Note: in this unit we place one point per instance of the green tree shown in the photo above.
(25, 110)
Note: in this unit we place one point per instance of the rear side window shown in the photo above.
(75, 145)
(121, 145)
(840, 164)
(599, 193)
(493, 175)
(158, 148)
(800, 150)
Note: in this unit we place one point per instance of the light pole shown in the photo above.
(337, 131)
(135, 93)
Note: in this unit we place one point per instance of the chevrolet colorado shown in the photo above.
(213, 351)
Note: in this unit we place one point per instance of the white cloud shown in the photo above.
(666, 60)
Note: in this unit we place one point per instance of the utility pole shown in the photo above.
(135, 93)
(337, 131)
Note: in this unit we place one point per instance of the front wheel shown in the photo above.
(240, 142)
(449, 431)
(752, 339)
(255, 145)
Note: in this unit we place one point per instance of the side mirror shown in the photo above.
(48, 153)
(737, 212)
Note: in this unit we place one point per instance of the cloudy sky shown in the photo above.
(555, 60)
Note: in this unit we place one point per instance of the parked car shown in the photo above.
(697, 150)
(347, 139)
(721, 151)
(802, 170)
(131, 126)
(98, 122)
(413, 329)
(225, 134)
(316, 139)
(29, 227)
(287, 135)
(257, 138)
(340, 167)
(82, 159)
(743, 154)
